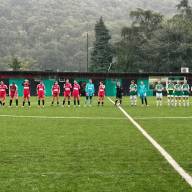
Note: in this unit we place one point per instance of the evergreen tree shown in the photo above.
(15, 64)
(102, 55)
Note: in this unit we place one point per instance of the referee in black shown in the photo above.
(119, 93)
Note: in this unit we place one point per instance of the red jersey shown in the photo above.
(67, 87)
(26, 88)
(3, 88)
(40, 88)
(101, 91)
(13, 89)
(76, 89)
(56, 89)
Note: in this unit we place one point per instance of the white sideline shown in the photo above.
(148, 118)
(162, 151)
(52, 117)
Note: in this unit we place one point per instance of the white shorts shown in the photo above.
(159, 95)
(133, 97)
(170, 96)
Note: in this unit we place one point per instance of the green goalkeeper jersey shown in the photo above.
(133, 89)
(159, 88)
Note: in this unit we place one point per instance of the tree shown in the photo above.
(174, 46)
(147, 20)
(102, 54)
(185, 9)
(131, 49)
(153, 44)
(128, 49)
(15, 64)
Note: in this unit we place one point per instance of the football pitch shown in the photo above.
(93, 149)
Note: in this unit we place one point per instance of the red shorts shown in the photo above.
(41, 95)
(55, 94)
(14, 95)
(76, 94)
(101, 94)
(67, 94)
(26, 95)
(2, 95)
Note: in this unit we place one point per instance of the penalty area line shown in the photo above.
(161, 150)
(60, 117)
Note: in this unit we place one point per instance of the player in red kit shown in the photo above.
(26, 92)
(3, 89)
(67, 92)
(13, 94)
(101, 94)
(76, 93)
(55, 93)
(41, 93)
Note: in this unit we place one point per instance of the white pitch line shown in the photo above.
(161, 150)
(149, 118)
(57, 117)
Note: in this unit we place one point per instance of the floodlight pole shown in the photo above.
(110, 65)
(87, 52)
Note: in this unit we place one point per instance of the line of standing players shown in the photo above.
(69, 91)
(177, 93)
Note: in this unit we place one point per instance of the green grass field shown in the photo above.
(93, 149)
